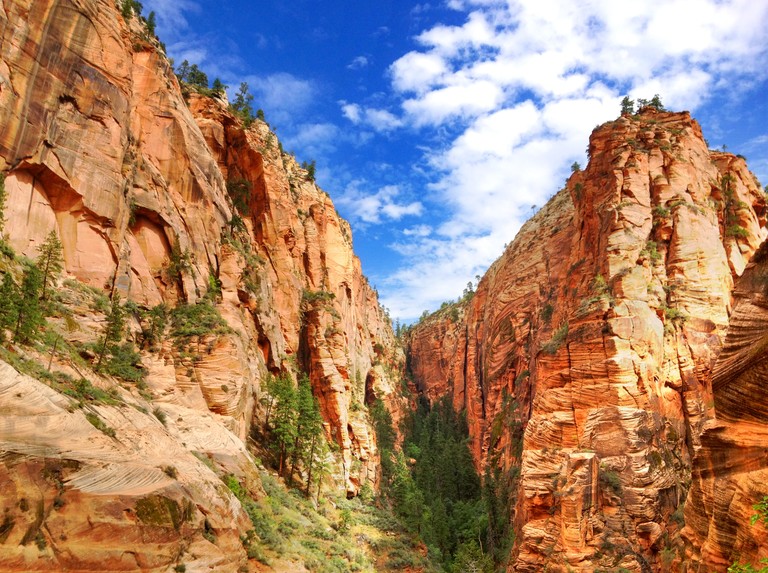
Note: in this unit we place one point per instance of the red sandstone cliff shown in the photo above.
(584, 358)
(98, 144)
(730, 469)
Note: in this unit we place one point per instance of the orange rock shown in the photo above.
(589, 343)
(99, 144)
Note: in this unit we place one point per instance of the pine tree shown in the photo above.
(242, 105)
(115, 326)
(151, 24)
(627, 106)
(50, 260)
(309, 427)
(29, 316)
(9, 299)
(284, 420)
(3, 198)
(218, 87)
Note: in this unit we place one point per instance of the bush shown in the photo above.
(199, 319)
(99, 424)
(554, 343)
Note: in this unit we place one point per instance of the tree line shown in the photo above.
(433, 487)
(294, 425)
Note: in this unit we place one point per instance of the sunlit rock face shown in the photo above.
(98, 143)
(584, 359)
(730, 469)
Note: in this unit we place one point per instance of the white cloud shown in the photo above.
(170, 15)
(282, 94)
(417, 72)
(380, 120)
(358, 63)
(465, 101)
(418, 231)
(372, 208)
(521, 84)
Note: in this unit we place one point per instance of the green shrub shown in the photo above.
(99, 424)
(737, 231)
(199, 319)
(557, 340)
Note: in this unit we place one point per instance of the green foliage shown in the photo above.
(736, 231)
(113, 330)
(160, 415)
(29, 314)
(192, 75)
(654, 102)
(575, 167)
(153, 323)
(198, 319)
(557, 340)
(660, 211)
(9, 298)
(627, 106)
(3, 199)
(239, 191)
(609, 479)
(99, 424)
(218, 88)
(651, 250)
(310, 168)
(471, 559)
(739, 568)
(124, 362)
(761, 507)
(242, 106)
(130, 7)
(311, 297)
(179, 262)
(84, 391)
(439, 496)
(151, 24)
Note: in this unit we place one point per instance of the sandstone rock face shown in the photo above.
(730, 470)
(156, 199)
(583, 359)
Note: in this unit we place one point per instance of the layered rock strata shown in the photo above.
(158, 200)
(730, 469)
(583, 360)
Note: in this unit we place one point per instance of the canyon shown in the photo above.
(610, 363)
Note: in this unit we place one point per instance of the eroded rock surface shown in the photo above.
(584, 358)
(158, 199)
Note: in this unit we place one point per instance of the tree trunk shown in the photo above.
(311, 463)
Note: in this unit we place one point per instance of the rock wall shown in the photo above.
(98, 143)
(584, 358)
(730, 469)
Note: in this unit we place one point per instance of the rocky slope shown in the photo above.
(98, 144)
(584, 359)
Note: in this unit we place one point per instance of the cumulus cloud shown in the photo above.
(380, 120)
(521, 84)
(368, 207)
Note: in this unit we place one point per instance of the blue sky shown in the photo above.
(438, 127)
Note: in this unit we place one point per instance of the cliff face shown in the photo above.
(583, 359)
(730, 470)
(98, 144)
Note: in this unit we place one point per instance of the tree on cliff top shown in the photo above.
(242, 105)
(192, 75)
